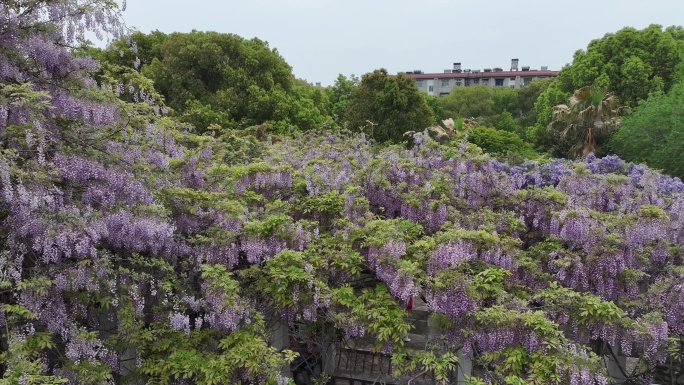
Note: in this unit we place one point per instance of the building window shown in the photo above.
(485, 82)
(419, 83)
(512, 79)
(459, 83)
(527, 81)
(498, 82)
(445, 83)
(467, 82)
(431, 88)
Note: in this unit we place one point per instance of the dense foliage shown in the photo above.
(387, 106)
(630, 62)
(527, 98)
(222, 79)
(338, 95)
(654, 133)
(540, 134)
(469, 102)
(503, 108)
(628, 65)
(134, 250)
(500, 143)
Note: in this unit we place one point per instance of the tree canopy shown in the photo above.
(224, 79)
(468, 102)
(338, 94)
(387, 106)
(527, 98)
(539, 134)
(630, 62)
(654, 132)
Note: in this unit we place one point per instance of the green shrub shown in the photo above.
(500, 143)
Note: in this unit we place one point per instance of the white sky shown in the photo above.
(323, 38)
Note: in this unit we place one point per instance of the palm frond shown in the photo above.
(590, 113)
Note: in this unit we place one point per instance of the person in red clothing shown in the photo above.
(409, 306)
(306, 365)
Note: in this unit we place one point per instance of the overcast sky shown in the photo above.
(323, 38)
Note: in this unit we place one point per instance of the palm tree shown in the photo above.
(590, 116)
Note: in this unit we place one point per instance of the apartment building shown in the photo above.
(440, 84)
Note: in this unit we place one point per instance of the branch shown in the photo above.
(616, 361)
(416, 376)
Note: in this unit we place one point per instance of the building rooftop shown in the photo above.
(478, 75)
